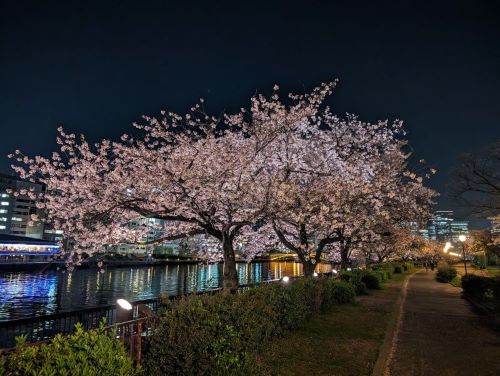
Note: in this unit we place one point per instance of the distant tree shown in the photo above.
(482, 241)
(476, 181)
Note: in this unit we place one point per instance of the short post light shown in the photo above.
(462, 239)
(286, 279)
(124, 311)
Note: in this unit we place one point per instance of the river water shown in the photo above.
(31, 293)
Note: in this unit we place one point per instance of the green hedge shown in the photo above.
(363, 280)
(485, 290)
(81, 353)
(215, 335)
(398, 269)
(446, 273)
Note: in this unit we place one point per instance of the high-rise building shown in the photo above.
(495, 228)
(16, 207)
(444, 228)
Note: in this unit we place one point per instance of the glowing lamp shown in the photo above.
(462, 238)
(124, 304)
(286, 279)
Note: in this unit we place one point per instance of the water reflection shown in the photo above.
(25, 294)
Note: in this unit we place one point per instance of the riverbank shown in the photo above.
(120, 263)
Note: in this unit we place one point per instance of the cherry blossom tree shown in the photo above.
(201, 174)
(335, 179)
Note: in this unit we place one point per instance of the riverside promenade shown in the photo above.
(439, 334)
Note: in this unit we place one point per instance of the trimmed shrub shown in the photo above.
(81, 353)
(214, 335)
(382, 275)
(371, 279)
(480, 288)
(446, 273)
(362, 280)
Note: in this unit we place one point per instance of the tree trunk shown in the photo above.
(344, 253)
(230, 274)
(308, 267)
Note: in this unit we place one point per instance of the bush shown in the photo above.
(482, 289)
(446, 273)
(81, 353)
(371, 279)
(225, 329)
(362, 280)
(398, 269)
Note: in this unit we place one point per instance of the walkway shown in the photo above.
(440, 335)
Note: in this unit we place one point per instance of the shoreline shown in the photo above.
(51, 265)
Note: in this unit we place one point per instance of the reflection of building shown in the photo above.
(444, 228)
(16, 207)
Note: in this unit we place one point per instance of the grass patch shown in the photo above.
(493, 270)
(344, 341)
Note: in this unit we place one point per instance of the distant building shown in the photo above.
(495, 228)
(16, 211)
(443, 227)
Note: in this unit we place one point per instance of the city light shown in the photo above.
(447, 247)
(462, 238)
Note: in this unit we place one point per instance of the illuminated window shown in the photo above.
(17, 219)
(4, 195)
(2, 227)
(3, 219)
(4, 203)
(3, 210)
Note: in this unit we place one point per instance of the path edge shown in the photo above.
(389, 344)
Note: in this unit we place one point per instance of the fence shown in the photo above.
(46, 327)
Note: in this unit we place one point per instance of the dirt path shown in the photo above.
(440, 335)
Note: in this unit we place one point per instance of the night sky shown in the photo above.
(97, 67)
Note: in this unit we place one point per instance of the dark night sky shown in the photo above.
(96, 67)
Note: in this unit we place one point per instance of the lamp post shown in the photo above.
(463, 238)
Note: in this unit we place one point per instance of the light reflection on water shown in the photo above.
(26, 294)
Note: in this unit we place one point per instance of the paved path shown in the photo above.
(440, 335)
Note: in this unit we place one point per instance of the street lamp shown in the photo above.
(463, 238)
